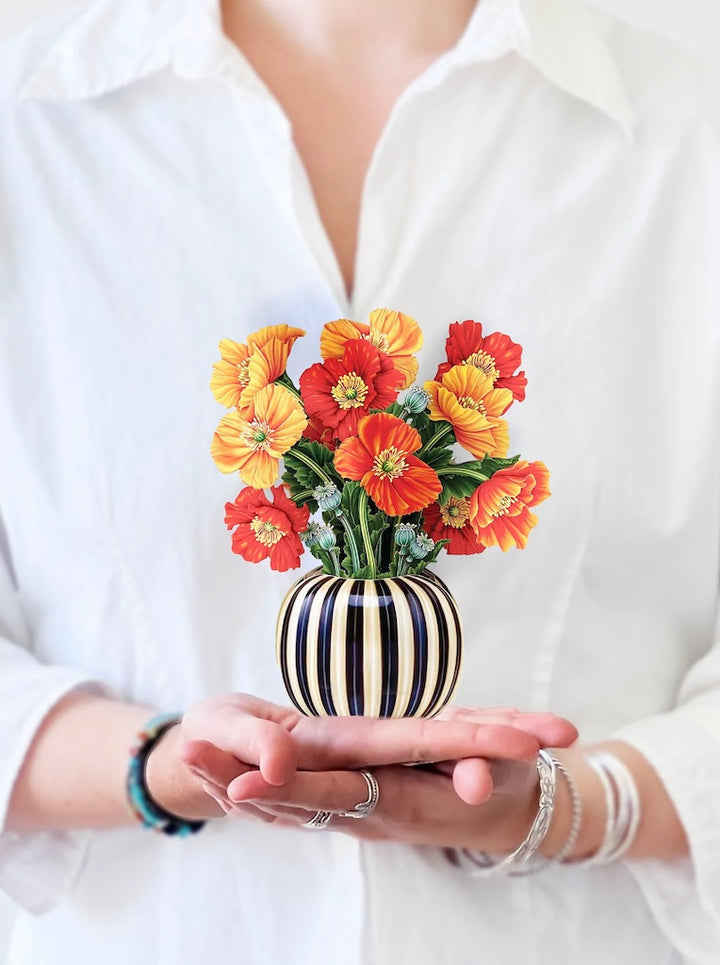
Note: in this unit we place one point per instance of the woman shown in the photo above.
(176, 173)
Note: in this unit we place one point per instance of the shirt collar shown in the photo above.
(110, 45)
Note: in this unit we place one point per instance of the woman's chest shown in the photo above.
(107, 417)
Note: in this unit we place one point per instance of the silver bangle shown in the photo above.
(623, 808)
(480, 865)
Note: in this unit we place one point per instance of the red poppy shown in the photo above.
(265, 529)
(500, 508)
(381, 458)
(496, 355)
(339, 391)
(317, 432)
(451, 521)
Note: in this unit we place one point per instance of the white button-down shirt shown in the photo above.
(555, 175)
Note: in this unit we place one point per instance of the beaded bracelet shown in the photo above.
(142, 806)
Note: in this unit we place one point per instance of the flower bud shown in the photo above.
(328, 496)
(404, 534)
(421, 546)
(326, 538)
(416, 401)
(310, 536)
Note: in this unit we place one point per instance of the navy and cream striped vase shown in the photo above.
(379, 648)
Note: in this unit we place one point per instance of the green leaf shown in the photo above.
(377, 525)
(395, 409)
(307, 465)
(491, 464)
(460, 479)
(363, 574)
(438, 458)
(432, 428)
(349, 501)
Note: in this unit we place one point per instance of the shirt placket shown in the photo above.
(204, 52)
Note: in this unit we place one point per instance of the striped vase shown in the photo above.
(379, 648)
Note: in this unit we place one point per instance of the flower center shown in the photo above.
(257, 434)
(266, 533)
(484, 362)
(350, 391)
(455, 512)
(467, 402)
(244, 373)
(504, 503)
(390, 463)
(379, 340)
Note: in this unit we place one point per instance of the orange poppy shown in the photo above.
(381, 458)
(245, 369)
(340, 391)
(496, 355)
(267, 530)
(253, 441)
(394, 333)
(467, 400)
(500, 508)
(451, 521)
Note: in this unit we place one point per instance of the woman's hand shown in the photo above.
(417, 805)
(235, 738)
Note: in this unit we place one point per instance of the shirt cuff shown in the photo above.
(684, 894)
(37, 868)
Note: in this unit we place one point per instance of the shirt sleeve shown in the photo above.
(683, 746)
(36, 869)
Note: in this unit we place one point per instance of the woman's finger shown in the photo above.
(212, 763)
(472, 780)
(310, 791)
(549, 729)
(352, 742)
(231, 724)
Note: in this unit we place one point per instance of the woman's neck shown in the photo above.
(335, 27)
(337, 67)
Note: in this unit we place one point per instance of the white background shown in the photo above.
(695, 22)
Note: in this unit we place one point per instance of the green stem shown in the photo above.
(350, 536)
(367, 542)
(462, 470)
(311, 464)
(391, 541)
(433, 440)
(288, 383)
(335, 557)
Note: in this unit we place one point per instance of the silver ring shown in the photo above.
(368, 806)
(319, 821)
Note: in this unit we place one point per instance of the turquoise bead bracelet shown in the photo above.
(142, 806)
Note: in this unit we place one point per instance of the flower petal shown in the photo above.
(463, 340)
(265, 365)
(352, 459)
(284, 333)
(404, 335)
(415, 489)
(381, 430)
(335, 335)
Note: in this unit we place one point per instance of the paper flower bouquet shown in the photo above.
(359, 466)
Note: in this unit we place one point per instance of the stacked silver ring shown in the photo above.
(320, 820)
(365, 807)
